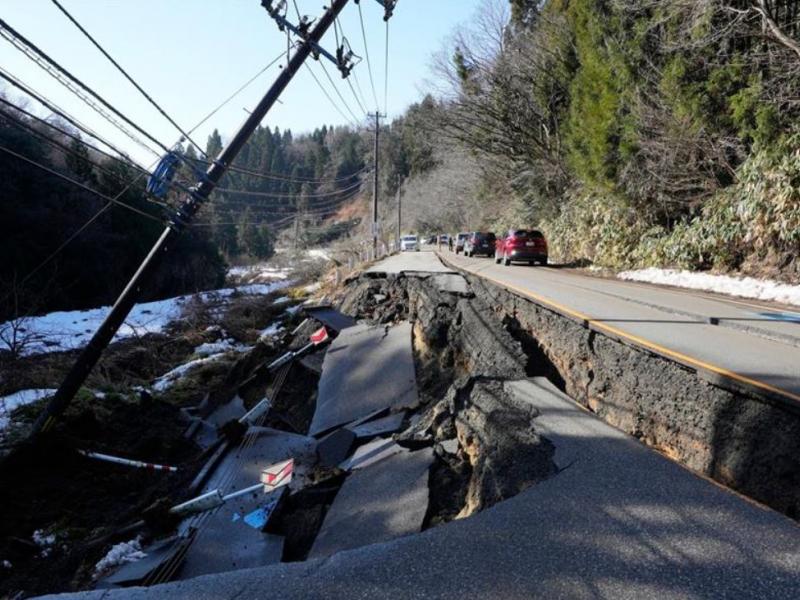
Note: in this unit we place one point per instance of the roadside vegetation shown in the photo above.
(634, 133)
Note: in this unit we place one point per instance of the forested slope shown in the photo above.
(635, 132)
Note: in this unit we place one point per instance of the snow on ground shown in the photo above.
(227, 345)
(125, 552)
(166, 381)
(318, 253)
(9, 404)
(273, 329)
(68, 330)
(745, 287)
(258, 273)
(44, 541)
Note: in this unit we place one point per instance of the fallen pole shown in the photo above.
(180, 220)
(127, 462)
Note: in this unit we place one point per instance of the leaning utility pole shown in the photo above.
(378, 116)
(184, 215)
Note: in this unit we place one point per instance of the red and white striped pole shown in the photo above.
(128, 463)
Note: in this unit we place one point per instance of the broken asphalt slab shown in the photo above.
(618, 521)
(370, 453)
(379, 503)
(227, 538)
(367, 368)
(382, 426)
(330, 317)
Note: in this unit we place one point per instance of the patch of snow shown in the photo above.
(293, 310)
(166, 381)
(70, 330)
(261, 273)
(744, 287)
(227, 345)
(9, 404)
(311, 288)
(282, 300)
(318, 253)
(123, 553)
(273, 329)
(45, 542)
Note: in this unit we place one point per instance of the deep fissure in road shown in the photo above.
(738, 437)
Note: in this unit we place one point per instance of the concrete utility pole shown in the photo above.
(378, 116)
(179, 222)
(399, 217)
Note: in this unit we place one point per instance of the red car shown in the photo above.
(521, 245)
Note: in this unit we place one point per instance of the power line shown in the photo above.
(79, 184)
(358, 87)
(56, 144)
(366, 52)
(288, 179)
(328, 96)
(338, 93)
(280, 196)
(55, 109)
(360, 106)
(53, 68)
(237, 92)
(127, 76)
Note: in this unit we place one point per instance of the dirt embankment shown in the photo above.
(467, 341)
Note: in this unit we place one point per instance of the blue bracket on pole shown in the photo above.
(160, 180)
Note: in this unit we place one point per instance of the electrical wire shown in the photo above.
(328, 96)
(289, 196)
(127, 76)
(58, 145)
(363, 98)
(237, 92)
(288, 179)
(55, 109)
(353, 91)
(76, 86)
(78, 184)
(72, 136)
(366, 52)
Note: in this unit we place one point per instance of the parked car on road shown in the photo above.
(521, 245)
(409, 243)
(460, 239)
(479, 243)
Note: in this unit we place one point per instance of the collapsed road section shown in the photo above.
(492, 481)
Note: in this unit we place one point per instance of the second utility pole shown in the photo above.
(378, 117)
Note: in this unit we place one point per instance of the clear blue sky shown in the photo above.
(191, 54)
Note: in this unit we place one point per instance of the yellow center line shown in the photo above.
(598, 324)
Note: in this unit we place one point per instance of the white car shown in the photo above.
(409, 242)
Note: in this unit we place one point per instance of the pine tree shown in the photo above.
(79, 163)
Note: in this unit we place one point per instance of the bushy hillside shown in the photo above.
(634, 132)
